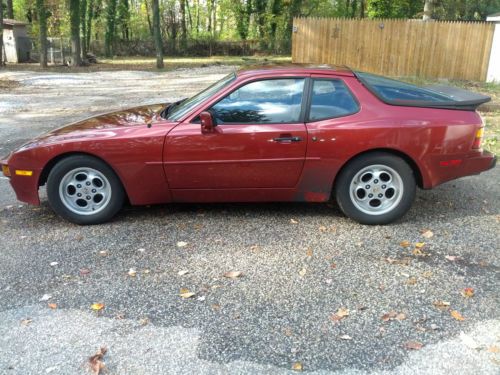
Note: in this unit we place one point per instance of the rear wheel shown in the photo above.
(376, 188)
(84, 190)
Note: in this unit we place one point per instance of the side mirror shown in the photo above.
(207, 122)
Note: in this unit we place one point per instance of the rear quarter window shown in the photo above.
(331, 98)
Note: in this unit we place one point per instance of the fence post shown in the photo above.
(493, 74)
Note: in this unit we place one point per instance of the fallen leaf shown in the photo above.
(494, 349)
(233, 274)
(393, 315)
(185, 293)
(346, 337)
(309, 252)
(414, 345)
(53, 306)
(455, 314)
(468, 292)
(405, 243)
(181, 244)
(322, 228)
(95, 362)
(53, 264)
(144, 321)
(183, 272)
(97, 306)
(427, 233)
(103, 253)
(343, 312)
(215, 306)
(302, 272)
(427, 274)
(420, 245)
(293, 221)
(333, 266)
(297, 366)
(434, 327)
(419, 252)
(403, 261)
(84, 271)
(453, 258)
(442, 305)
(45, 297)
(201, 298)
(411, 281)
(132, 272)
(26, 321)
(287, 331)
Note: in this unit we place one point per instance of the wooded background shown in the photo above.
(200, 27)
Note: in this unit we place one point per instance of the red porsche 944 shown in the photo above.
(283, 133)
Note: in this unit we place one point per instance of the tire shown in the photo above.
(375, 188)
(84, 190)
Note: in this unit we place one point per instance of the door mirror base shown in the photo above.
(208, 122)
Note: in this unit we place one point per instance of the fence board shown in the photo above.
(457, 50)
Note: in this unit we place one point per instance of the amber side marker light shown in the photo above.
(5, 170)
(479, 138)
(20, 172)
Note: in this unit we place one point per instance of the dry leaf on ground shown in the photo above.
(132, 272)
(185, 293)
(453, 258)
(53, 306)
(97, 306)
(405, 243)
(494, 349)
(455, 314)
(393, 315)
(181, 244)
(468, 292)
(183, 272)
(302, 272)
(414, 345)
(95, 362)
(297, 366)
(233, 274)
(26, 321)
(427, 233)
(441, 305)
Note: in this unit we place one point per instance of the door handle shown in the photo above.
(287, 139)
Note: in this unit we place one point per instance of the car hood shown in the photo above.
(99, 126)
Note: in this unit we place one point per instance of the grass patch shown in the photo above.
(149, 63)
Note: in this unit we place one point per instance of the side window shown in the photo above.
(271, 101)
(331, 98)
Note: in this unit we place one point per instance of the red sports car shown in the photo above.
(285, 133)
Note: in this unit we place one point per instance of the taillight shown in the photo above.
(478, 138)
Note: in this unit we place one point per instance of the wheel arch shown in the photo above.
(52, 162)
(413, 165)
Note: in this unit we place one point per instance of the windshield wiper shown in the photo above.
(168, 109)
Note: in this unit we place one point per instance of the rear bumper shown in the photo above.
(481, 163)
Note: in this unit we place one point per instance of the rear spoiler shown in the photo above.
(463, 100)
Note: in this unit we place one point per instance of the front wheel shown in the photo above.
(84, 190)
(375, 188)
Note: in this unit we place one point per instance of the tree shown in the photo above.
(109, 37)
(88, 28)
(157, 34)
(74, 20)
(10, 9)
(242, 11)
(42, 26)
(428, 8)
(83, 25)
(1, 33)
(183, 25)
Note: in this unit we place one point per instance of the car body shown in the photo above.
(244, 140)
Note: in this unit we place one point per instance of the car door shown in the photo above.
(259, 141)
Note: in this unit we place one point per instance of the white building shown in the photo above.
(16, 43)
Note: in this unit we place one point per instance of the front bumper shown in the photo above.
(25, 187)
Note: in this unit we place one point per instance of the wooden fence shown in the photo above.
(458, 50)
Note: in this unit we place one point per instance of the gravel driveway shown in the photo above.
(317, 291)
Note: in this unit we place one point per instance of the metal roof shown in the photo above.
(11, 22)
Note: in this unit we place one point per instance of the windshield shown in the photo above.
(391, 90)
(183, 107)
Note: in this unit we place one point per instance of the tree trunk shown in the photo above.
(1, 34)
(109, 38)
(428, 9)
(10, 9)
(149, 18)
(83, 25)
(197, 17)
(74, 18)
(157, 34)
(42, 25)
(90, 16)
(183, 26)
